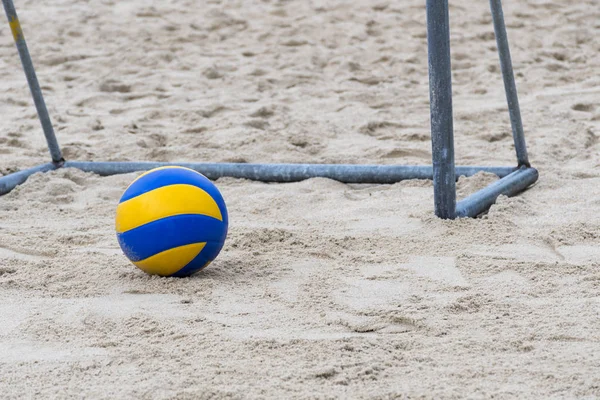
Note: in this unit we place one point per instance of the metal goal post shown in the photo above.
(443, 172)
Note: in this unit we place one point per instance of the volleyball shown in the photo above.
(171, 221)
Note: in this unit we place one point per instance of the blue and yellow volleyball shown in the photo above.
(171, 221)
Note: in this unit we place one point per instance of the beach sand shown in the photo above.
(323, 289)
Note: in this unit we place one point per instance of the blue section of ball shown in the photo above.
(209, 253)
(167, 233)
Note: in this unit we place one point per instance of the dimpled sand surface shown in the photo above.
(323, 290)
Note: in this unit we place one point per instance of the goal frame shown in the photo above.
(443, 171)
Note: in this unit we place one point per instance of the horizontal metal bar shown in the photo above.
(262, 172)
(510, 185)
(9, 182)
(289, 172)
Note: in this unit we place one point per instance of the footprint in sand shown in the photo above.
(580, 254)
(19, 254)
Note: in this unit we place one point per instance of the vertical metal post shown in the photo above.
(34, 85)
(440, 92)
(509, 82)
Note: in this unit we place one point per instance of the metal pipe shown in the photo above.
(512, 182)
(289, 172)
(510, 87)
(510, 185)
(34, 85)
(9, 182)
(440, 93)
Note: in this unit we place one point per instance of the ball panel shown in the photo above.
(206, 256)
(167, 233)
(165, 176)
(173, 175)
(165, 202)
(148, 180)
(170, 261)
(150, 171)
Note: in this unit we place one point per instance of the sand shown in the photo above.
(323, 290)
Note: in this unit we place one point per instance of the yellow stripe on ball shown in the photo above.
(165, 202)
(170, 261)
